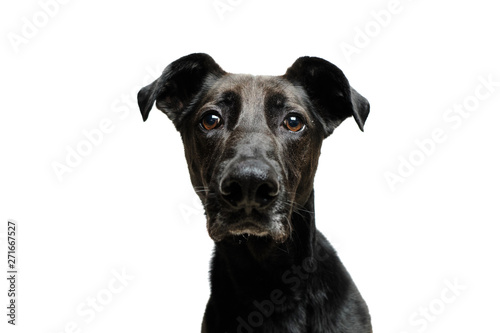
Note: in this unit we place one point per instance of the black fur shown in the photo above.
(272, 271)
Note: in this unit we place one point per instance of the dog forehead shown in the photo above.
(255, 90)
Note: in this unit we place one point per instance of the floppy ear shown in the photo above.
(178, 86)
(329, 92)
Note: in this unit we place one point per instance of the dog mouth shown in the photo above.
(276, 227)
(247, 228)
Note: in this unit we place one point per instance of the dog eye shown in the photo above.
(210, 121)
(293, 123)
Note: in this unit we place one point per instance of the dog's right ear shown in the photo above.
(178, 86)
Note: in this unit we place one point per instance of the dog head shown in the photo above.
(252, 143)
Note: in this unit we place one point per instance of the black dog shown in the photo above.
(252, 145)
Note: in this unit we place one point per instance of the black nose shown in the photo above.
(249, 184)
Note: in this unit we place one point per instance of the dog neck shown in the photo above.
(252, 258)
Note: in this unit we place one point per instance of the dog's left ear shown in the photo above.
(329, 92)
(176, 89)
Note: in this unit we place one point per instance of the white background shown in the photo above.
(128, 205)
